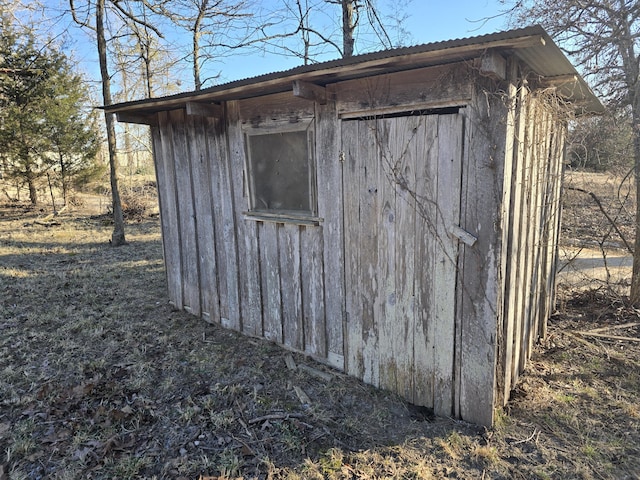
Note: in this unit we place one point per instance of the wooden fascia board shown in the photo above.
(139, 118)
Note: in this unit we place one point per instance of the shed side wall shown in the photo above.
(538, 149)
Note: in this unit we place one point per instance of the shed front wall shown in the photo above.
(380, 287)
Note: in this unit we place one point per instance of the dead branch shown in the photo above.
(609, 337)
(612, 327)
(275, 416)
(609, 219)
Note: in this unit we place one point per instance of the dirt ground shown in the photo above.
(101, 379)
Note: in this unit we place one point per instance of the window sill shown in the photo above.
(291, 218)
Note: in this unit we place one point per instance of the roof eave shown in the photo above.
(529, 43)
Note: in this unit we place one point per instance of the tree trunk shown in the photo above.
(347, 28)
(634, 296)
(626, 44)
(33, 194)
(117, 237)
(196, 59)
(197, 26)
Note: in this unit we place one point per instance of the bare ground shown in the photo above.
(100, 378)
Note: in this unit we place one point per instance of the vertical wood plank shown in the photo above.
(516, 304)
(351, 201)
(534, 220)
(205, 233)
(367, 250)
(226, 232)
(315, 339)
(270, 269)
(361, 247)
(546, 225)
(511, 228)
(556, 159)
(385, 299)
(542, 161)
(250, 293)
(330, 207)
(450, 137)
(560, 146)
(527, 265)
(405, 151)
(290, 271)
(213, 133)
(424, 340)
(168, 207)
(187, 222)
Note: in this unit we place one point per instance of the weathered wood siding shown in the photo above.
(401, 198)
(536, 136)
(280, 281)
(380, 284)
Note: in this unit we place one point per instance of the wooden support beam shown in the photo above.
(310, 91)
(139, 118)
(204, 109)
(493, 65)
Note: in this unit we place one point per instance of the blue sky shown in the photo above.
(428, 21)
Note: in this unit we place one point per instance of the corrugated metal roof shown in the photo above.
(532, 45)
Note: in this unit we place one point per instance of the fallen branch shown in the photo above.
(609, 219)
(51, 223)
(609, 337)
(275, 416)
(528, 439)
(613, 327)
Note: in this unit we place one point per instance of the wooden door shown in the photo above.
(401, 187)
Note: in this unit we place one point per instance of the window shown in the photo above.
(281, 173)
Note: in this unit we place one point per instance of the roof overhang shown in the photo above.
(532, 45)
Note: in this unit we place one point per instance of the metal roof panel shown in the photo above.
(531, 44)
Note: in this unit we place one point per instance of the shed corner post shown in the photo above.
(480, 282)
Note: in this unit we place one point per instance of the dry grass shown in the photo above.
(100, 378)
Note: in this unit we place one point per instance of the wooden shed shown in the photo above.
(394, 215)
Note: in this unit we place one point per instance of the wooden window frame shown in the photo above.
(274, 215)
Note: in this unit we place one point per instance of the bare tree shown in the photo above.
(96, 22)
(213, 25)
(352, 11)
(603, 36)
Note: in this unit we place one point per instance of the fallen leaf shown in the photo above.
(246, 451)
(81, 453)
(55, 436)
